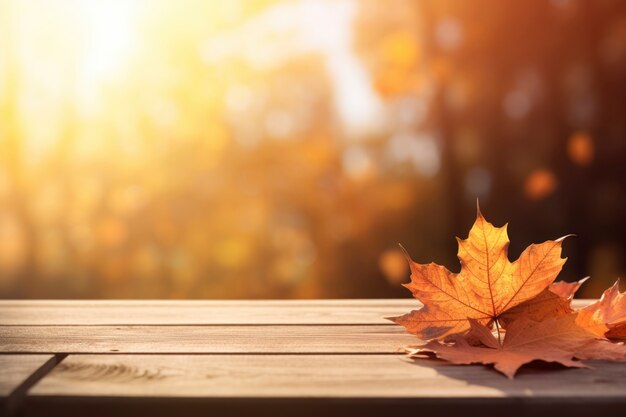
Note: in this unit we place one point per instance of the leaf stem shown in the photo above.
(498, 331)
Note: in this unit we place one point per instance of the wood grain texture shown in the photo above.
(236, 376)
(316, 385)
(155, 312)
(204, 339)
(201, 312)
(266, 358)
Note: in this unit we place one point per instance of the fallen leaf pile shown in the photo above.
(509, 313)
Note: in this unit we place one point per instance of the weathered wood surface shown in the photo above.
(313, 385)
(159, 312)
(204, 339)
(331, 357)
(331, 376)
(95, 312)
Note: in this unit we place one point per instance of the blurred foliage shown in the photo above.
(282, 149)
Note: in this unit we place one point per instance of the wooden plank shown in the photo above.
(201, 312)
(204, 339)
(151, 312)
(316, 375)
(158, 384)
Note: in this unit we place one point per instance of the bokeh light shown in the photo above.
(282, 149)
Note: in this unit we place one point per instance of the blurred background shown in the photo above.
(282, 149)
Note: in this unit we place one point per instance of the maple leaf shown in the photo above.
(607, 316)
(554, 301)
(558, 339)
(487, 286)
(566, 290)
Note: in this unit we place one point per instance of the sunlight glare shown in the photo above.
(110, 27)
(110, 32)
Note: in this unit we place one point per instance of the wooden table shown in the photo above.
(318, 357)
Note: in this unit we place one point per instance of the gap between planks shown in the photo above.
(13, 401)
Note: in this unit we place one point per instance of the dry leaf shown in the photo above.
(566, 289)
(558, 339)
(487, 287)
(607, 316)
(532, 312)
(554, 301)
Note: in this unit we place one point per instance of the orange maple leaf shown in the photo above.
(607, 316)
(566, 290)
(552, 302)
(558, 339)
(487, 286)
